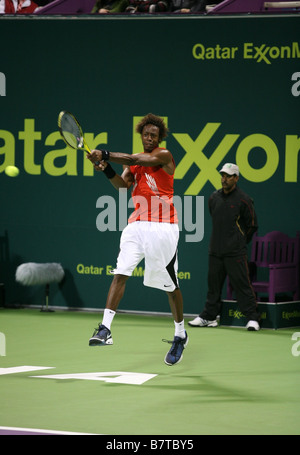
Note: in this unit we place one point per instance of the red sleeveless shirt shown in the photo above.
(152, 195)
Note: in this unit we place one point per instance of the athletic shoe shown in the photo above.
(101, 336)
(252, 326)
(200, 322)
(176, 352)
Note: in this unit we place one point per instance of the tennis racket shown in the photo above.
(71, 132)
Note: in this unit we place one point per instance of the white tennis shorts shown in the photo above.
(157, 244)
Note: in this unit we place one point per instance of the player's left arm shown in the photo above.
(125, 180)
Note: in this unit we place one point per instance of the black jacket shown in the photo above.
(233, 222)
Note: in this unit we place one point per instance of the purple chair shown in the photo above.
(68, 7)
(278, 256)
(253, 6)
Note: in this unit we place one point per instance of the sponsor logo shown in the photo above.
(296, 346)
(53, 157)
(258, 53)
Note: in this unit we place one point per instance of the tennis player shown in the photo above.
(152, 232)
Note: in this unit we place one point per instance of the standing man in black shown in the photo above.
(233, 225)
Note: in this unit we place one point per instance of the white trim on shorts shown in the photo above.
(157, 244)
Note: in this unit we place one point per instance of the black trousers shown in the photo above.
(236, 268)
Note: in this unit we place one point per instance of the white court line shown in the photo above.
(38, 430)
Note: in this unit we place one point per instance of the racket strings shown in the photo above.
(71, 131)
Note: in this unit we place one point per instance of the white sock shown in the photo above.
(179, 329)
(108, 317)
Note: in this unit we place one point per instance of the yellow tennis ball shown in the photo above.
(12, 171)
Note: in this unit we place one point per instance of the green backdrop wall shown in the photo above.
(227, 86)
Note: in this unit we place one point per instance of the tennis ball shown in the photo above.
(12, 171)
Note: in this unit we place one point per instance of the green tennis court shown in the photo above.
(230, 381)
